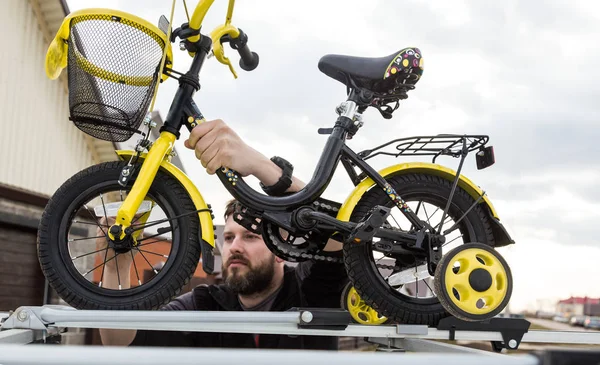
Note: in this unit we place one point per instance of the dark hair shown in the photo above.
(231, 207)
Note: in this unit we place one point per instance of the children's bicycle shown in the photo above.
(418, 238)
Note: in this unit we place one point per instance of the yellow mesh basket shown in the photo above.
(113, 61)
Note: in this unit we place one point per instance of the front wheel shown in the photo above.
(400, 287)
(75, 253)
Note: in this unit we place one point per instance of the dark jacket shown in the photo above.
(309, 285)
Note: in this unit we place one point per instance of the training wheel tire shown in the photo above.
(359, 310)
(473, 282)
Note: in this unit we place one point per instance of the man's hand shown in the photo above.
(216, 145)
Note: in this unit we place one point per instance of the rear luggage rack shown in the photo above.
(441, 144)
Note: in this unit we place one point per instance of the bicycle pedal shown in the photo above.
(365, 229)
(248, 219)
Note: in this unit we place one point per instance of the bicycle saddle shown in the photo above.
(374, 74)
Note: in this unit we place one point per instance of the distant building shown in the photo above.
(579, 306)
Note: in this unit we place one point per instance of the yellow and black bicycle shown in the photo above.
(419, 238)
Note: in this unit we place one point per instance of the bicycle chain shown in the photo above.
(295, 256)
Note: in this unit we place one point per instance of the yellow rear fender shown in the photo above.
(501, 236)
(206, 223)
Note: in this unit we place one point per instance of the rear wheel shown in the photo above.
(74, 250)
(399, 286)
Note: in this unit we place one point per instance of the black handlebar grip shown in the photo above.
(248, 59)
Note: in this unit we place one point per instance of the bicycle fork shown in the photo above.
(160, 149)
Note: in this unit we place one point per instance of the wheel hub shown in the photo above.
(120, 245)
(480, 280)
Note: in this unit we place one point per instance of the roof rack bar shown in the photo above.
(297, 322)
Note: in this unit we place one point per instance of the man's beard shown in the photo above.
(257, 278)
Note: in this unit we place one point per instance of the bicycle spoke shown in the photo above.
(432, 214)
(117, 266)
(148, 243)
(143, 226)
(86, 254)
(135, 268)
(412, 226)
(445, 221)
(90, 223)
(426, 215)
(154, 253)
(148, 262)
(418, 206)
(455, 226)
(83, 239)
(104, 263)
(454, 239)
(95, 219)
(148, 237)
(104, 208)
(102, 273)
(138, 218)
(391, 215)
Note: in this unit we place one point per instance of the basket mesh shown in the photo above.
(113, 67)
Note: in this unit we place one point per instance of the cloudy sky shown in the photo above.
(521, 72)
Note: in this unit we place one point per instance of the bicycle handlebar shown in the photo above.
(222, 33)
(248, 59)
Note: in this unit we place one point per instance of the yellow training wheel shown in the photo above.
(473, 282)
(359, 310)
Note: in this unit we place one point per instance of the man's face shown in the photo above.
(248, 265)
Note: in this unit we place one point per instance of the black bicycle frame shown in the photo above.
(334, 149)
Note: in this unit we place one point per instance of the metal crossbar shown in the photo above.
(29, 324)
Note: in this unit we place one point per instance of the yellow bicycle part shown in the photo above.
(359, 310)
(206, 223)
(159, 151)
(57, 53)
(476, 281)
(141, 220)
(218, 51)
(221, 30)
(345, 212)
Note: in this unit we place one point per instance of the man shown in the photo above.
(255, 279)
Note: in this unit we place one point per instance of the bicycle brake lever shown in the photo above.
(218, 37)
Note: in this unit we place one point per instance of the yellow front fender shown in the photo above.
(206, 223)
(501, 236)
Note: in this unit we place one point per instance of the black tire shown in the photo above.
(358, 258)
(72, 287)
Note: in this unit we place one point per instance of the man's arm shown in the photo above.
(114, 337)
(216, 145)
(117, 337)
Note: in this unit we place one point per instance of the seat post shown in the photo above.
(347, 109)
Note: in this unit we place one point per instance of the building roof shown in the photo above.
(580, 300)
